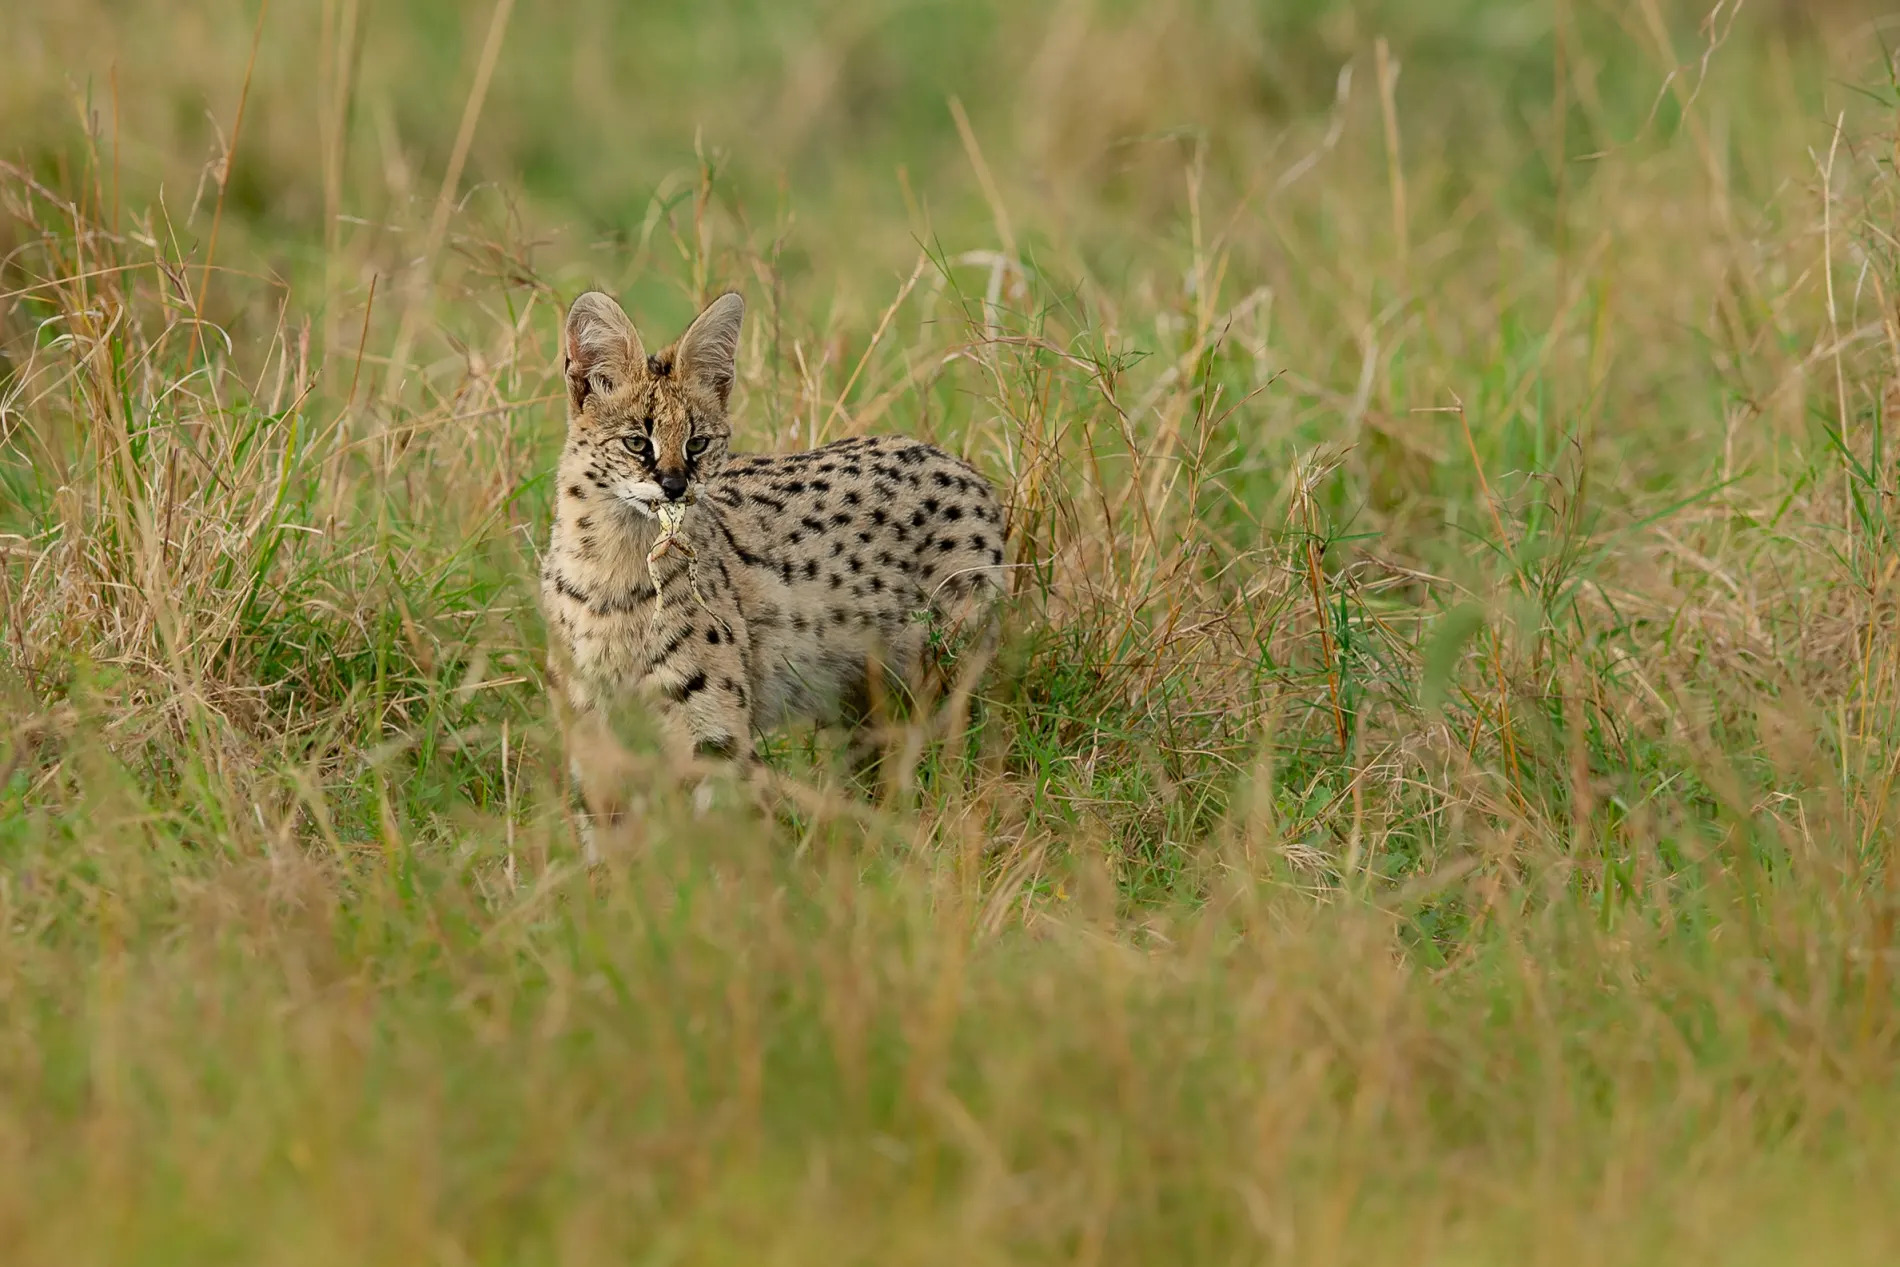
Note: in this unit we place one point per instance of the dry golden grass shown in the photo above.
(1435, 800)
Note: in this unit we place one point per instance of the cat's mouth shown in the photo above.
(645, 496)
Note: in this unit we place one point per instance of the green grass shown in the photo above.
(1434, 801)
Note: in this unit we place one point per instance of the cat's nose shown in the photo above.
(674, 486)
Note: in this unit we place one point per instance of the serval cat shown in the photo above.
(725, 593)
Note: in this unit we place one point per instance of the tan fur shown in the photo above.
(793, 573)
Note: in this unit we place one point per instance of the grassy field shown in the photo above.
(1437, 799)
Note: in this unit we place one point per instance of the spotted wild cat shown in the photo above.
(790, 575)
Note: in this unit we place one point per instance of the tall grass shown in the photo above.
(1435, 800)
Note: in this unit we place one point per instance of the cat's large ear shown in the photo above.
(600, 349)
(711, 344)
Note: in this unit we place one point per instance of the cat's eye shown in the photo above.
(636, 444)
(697, 445)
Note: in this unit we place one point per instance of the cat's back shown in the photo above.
(865, 516)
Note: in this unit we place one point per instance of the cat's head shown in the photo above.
(651, 426)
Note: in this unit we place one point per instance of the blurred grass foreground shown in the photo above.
(1437, 803)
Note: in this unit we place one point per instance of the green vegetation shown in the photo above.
(1436, 800)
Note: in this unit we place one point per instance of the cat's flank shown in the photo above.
(787, 575)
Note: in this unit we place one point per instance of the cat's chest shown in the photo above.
(600, 603)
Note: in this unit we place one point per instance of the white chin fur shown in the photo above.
(641, 497)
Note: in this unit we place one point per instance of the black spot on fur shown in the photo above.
(744, 555)
(673, 644)
(712, 635)
(637, 595)
(690, 687)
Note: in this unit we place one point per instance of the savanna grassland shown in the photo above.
(1436, 798)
